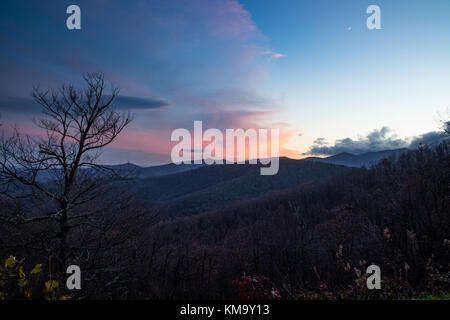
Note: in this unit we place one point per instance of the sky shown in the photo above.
(310, 68)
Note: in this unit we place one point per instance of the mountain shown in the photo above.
(364, 159)
(135, 171)
(154, 171)
(211, 187)
(129, 170)
(189, 189)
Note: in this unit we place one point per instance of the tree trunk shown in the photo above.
(62, 237)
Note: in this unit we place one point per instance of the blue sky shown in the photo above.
(310, 68)
(339, 82)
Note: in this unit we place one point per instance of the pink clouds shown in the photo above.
(277, 55)
(206, 58)
(232, 21)
(158, 140)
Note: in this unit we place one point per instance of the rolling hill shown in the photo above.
(217, 186)
(364, 159)
(190, 189)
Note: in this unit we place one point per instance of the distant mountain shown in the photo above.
(189, 189)
(364, 159)
(128, 170)
(211, 187)
(154, 171)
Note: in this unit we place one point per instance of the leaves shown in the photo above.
(15, 283)
(21, 273)
(36, 269)
(22, 282)
(27, 293)
(10, 262)
(51, 285)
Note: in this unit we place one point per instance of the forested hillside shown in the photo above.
(219, 186)
(312, 241)
(316, 241)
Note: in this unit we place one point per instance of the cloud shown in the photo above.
(377, 140)
(320, 141)
(277, 55)
(19, 105)
(29, 106)
(128, 102)
(430, 138)
(207, 59)
(239, 99)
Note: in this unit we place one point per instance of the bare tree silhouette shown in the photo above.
(60, 166)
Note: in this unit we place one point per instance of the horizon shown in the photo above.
(258, 159)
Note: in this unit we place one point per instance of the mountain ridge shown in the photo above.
(365, 159)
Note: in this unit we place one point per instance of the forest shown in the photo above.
(311, 242)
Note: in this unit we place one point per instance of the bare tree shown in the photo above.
(61, 164)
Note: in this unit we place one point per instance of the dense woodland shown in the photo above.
(312, 242)
(316, 241)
